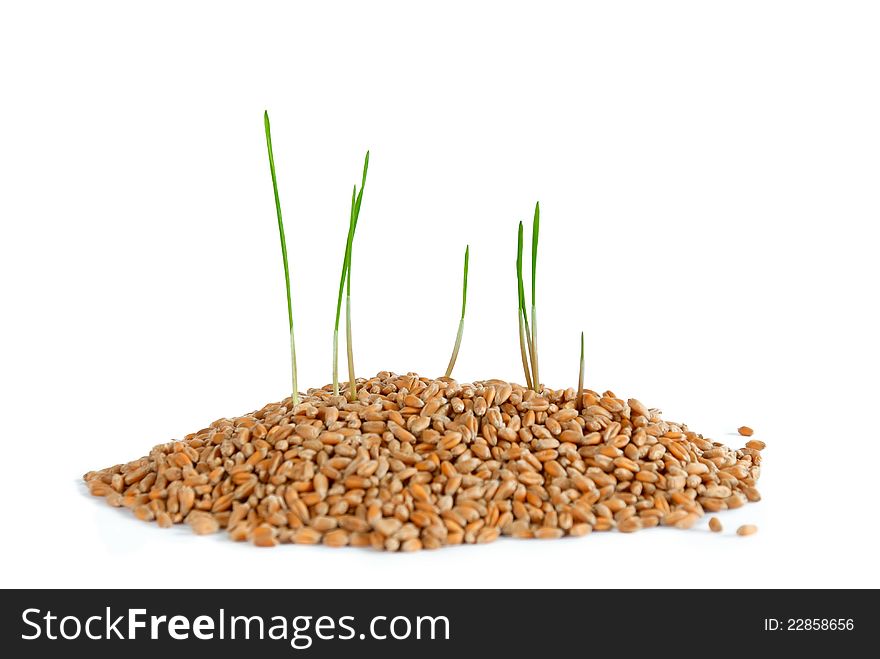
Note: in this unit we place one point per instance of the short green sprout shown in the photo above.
(452, 359)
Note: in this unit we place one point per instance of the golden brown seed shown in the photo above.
(223, 503)
(354, 524)
(718, 491)
(688, 521)
(265, 536)
(186, 496)
(715, 525)
(320, 484)
(239, 533)
(580, 529)
(745, 431)
(548, 533)
(747, 529)
(488, 534)
(630, 525)
(359, 540)
(323, 523)
(419, 492)
(714, 505)
(307, 536)
(337, 538)
(387, 526)
(756, 444)
(204, 525)
(680, 519)
(143, 513)
(99, 489)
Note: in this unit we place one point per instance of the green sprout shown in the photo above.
(294, 398)
(528, 335)
(581, 375)
(345, 285)
(524, 334)
(536, 226)
(452, 359)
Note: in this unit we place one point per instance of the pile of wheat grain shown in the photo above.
(420, 463)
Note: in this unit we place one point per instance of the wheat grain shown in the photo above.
(417, 463)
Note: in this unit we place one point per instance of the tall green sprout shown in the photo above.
(294, 398)
(345, 285)
(528, 335)
(536, 226)
(524, 334)
(452, 359)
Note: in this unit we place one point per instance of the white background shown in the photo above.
(708, 174)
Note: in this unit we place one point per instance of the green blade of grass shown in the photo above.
(536, 226)
(342, 279)
(522, 351)
(352, 391)
(360, 196)
(345, 279)
(355, 215)
(295, 394)
(521, 310)
(467, 251)
(467, 256)
(522, 294)
(580, 395)
(352, 383)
